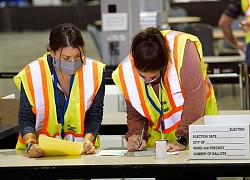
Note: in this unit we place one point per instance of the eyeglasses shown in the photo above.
(150, 81)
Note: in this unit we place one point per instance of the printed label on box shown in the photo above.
(219, 141)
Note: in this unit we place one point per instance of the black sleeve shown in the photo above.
(94, 115)
(27, 119)
(234, 9)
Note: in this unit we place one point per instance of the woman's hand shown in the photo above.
(245, 25)
(175, 146)
(35, 151)
(88, 147)
(133, 143)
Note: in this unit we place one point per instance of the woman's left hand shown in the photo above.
(175, 146)
(88, 147)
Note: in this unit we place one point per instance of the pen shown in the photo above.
(141, 137)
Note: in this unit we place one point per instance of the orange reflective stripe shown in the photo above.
(208, 89)
(74, 134)
(140, 92)
(139, 88)
(96, 80)
(171, 128)
(175, 51)
(158, 124)
(173, 111)
(34, 110)
(209, 92)
(20, 138)
(45, 94)
(123, 84)
(82, 99)
(165, 116)
(30, 83)
(170, 94)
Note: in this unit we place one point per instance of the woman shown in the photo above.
(61, 94)
(166, 88)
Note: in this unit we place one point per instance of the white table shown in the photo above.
(15, 164)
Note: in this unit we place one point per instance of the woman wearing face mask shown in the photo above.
(61, 94)
(166, 88)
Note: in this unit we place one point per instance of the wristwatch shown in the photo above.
(182, 140)
(28, 145)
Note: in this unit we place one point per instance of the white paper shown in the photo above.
(112, 152)
(11, 96)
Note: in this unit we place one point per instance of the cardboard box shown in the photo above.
(9, 111)
(220, 137)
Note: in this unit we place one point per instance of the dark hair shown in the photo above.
(150, 51)
(65, 35)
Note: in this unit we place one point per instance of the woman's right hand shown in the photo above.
(245, 25)
(133, 143)
(35, 151)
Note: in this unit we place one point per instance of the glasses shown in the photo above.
(149, 81)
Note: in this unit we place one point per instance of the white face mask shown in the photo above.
(68, 67)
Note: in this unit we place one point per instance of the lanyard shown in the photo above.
(160, 111)
(61, 112)
(152, 102)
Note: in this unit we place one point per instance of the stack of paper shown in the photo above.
(58, 147)
(107, 152)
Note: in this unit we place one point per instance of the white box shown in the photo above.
(220, 137)
(113, 100)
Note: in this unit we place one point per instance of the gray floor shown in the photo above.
(18, 49)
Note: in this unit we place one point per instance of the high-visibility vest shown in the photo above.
(163, 112)
(37, 81)
(245, 6)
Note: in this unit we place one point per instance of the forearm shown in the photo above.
(225, 23)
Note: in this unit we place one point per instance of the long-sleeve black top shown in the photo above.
(93, 117)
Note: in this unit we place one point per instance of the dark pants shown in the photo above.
(248, 54)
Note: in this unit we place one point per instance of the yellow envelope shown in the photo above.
(58, 147)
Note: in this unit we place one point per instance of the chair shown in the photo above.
(95, 34)
(178, 12)
(205, 34)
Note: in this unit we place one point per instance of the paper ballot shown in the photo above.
(59, 147)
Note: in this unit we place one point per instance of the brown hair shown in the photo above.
(66, 35)
(150, 51)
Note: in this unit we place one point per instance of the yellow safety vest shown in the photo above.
(245, 6)
(163, 119)
(38, 85)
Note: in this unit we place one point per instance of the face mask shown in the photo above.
(67, 67)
